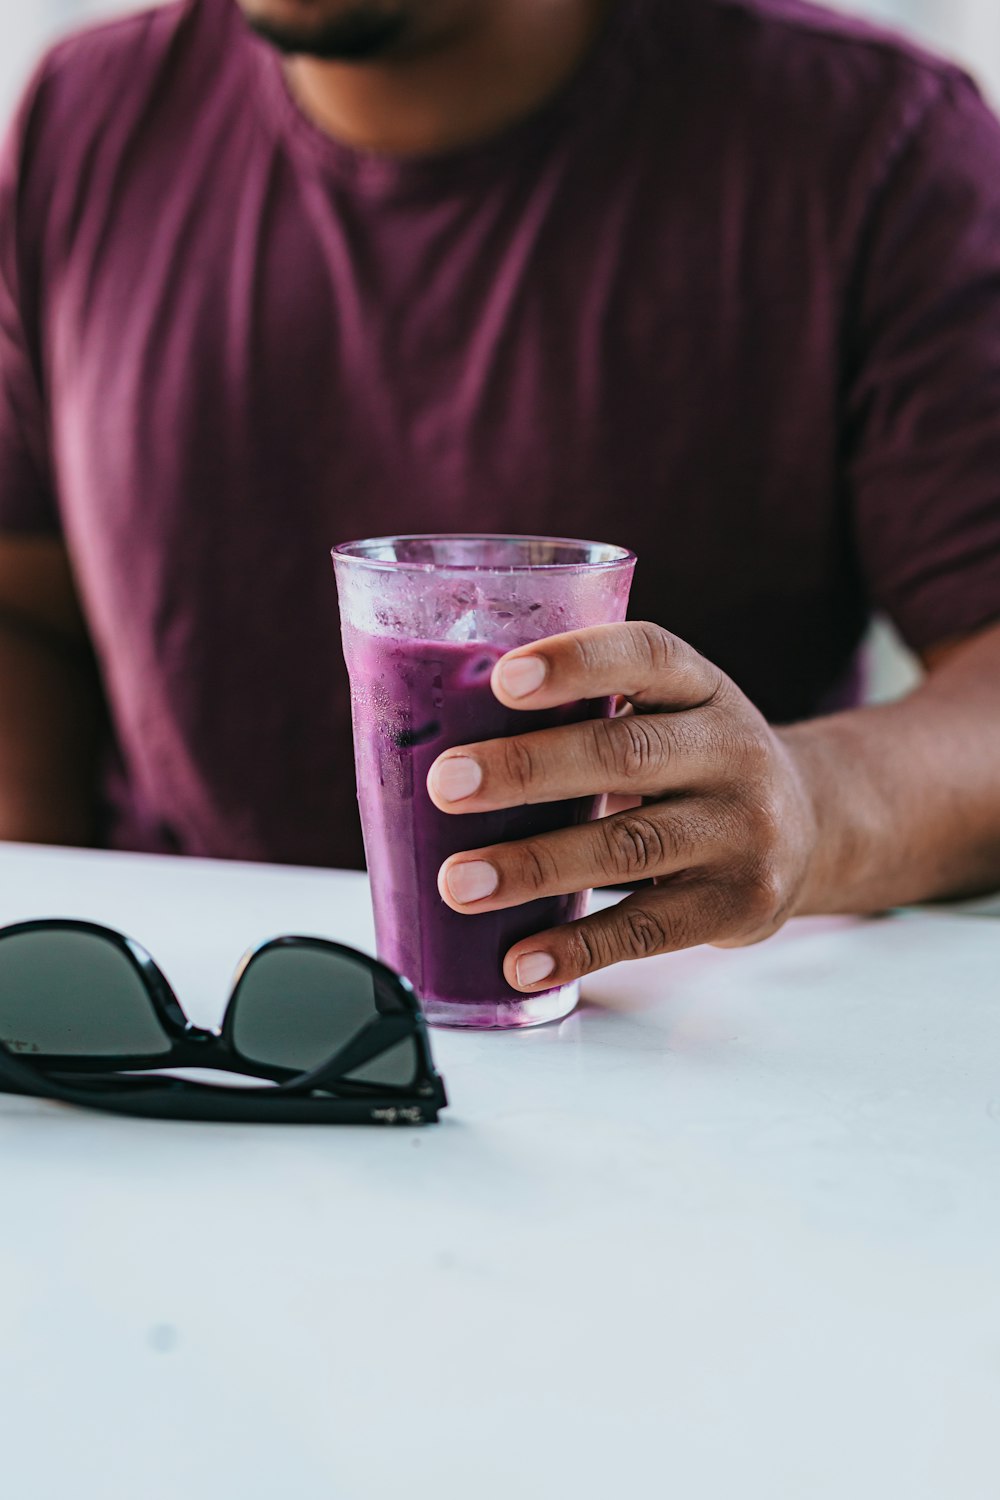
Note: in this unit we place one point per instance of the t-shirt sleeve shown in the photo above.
(922, 402)
(27, 501)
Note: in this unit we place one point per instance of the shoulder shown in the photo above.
(86, 80)
(115, 41)
(97, 98)
(795, 64)
(826, 103)
(100, 81)
(788, 33)
(83, 69)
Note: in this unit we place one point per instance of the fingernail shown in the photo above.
(532, 968)
(456, 778)
(472, 881)
(521, 676)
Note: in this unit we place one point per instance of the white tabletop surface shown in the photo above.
(732, 1230)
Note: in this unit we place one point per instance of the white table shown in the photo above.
(733, 1230)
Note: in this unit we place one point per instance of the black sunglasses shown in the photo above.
(335, 1036)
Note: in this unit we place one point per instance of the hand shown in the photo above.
(726, 828)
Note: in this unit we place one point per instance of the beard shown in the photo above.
(362, 31)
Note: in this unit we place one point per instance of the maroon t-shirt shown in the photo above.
(732, 299)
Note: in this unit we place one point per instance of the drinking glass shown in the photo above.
(425, 619)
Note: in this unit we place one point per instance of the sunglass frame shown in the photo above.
(320, 1096)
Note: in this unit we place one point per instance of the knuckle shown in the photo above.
(536, 869)
(643, 932)
(722, 903)
(518, 764)
(629, 749)
(630, 932)
(604, 748)
(728, 829)
(763, 825)
(635, 845)
(655, 647)
(762, 894)
(754, 749)
(664, 655)
(731, 746)
(584, 950)
(640, 749)
(589, 652)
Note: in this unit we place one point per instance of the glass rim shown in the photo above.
(352, 553)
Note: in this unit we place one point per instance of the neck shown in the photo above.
(467, 81)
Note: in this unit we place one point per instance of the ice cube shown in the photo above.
(465, 628)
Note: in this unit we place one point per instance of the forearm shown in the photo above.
(907, 795)
(50, 715)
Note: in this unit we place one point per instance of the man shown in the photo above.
(716, 279)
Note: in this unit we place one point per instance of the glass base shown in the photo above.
(503, 1015)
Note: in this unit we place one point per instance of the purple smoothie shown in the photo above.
(412, 700)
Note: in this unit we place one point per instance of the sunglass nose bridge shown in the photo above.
(199, 1035)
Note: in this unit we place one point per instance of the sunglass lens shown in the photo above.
(297, 1006)
(74, 994)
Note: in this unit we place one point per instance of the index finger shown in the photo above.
(644, 663)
